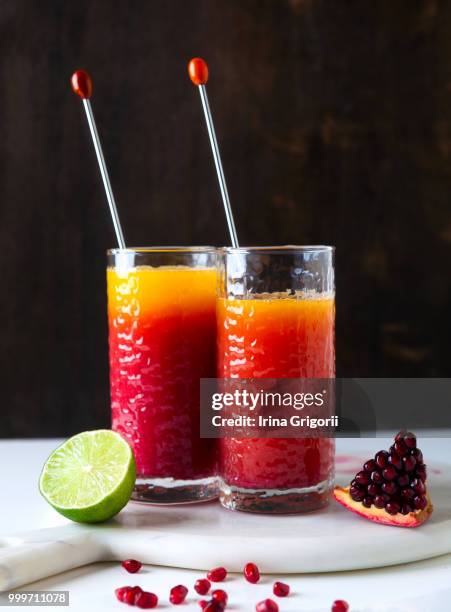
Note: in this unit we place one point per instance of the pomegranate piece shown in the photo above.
(202, 586)
(121, 592)
(218, 574)
(280, 589)
(146, 600)
(132, 565)
(251, 573)
(340, 605)
(391, 489)
(267, 605)
(178, 594)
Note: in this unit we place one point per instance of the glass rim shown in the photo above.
(282, 249)
(161, 249)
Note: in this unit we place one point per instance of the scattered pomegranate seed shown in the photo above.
(251, 573)
(268, 605)
(132, 565)
(146, 600)
(202, 586)
(214, 606)
(280, 589)
(178, 594)
(203, 603)
(218, 574)
(121, 592)
(220, 596)
(340, 605)
(131, 594)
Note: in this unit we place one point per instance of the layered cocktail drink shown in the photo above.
(276, 316)
(162, 334)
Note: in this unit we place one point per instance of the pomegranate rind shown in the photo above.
(379, 515)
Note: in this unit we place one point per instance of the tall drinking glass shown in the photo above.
(162, 335)
(276, 318)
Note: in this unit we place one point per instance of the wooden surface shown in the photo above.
(334, 120)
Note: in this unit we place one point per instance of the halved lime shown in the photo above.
(90, 477)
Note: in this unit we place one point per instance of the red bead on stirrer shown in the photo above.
(198, 73)
(82, 86)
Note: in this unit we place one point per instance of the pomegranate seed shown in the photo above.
(340, 605)
(389, 487)
(357, 493)
(401, 448)
(409, 463)
(251, 573)
(280, 589)
(268, 605)
(218, 574)
(406, 508)
(131, 594)
(121, 592)
(395, 460)
(370, 465)
(363, 478)
(420, 471)
(389, 473)
(373, 489)
(203, 603)
(408, 438)
(418, 455)
(214, 606)
(132, 565)
(178, 594)
(381, 459)
(418, 486)
(379, 501)
(407, 493)
(420, 502)
(392, 507)
(202, 586)
(403, 480)
(367, 502)
(220, 596)
(146, 600)
(376, 477)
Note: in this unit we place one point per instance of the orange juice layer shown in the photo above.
(276, 338)
(166, 289)
(162, 341)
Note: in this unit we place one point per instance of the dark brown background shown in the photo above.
(334, 120)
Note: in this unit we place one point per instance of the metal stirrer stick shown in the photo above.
(82, 86)
(198, 73)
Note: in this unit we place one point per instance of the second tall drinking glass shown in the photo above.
(276, 318)
(162, 322)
